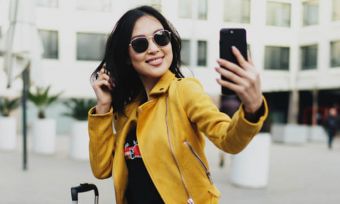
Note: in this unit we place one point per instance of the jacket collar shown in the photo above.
(163, 84)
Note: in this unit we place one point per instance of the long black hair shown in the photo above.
(117, 59)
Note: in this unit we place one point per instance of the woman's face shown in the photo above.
(155, 60)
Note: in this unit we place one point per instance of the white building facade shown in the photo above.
(295, 44)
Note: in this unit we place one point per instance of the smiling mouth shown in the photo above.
(155, 61)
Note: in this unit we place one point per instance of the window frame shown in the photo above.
(281, 23)
(100, 56)
(188, 5)
(333, 62)
(45, 55)
(240, 17)
(310, 3)
(198, 64)
(266, 67)
(189, 54)
(335, 11)
(303, 66)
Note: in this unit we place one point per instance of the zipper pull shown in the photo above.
(190, 201)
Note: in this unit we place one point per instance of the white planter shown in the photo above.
(290, 133)
(277, 132)
(79, 141)
(44, 136)
(8, 136)
(250, 168)
(317, 134)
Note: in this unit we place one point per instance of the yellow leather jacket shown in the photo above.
(171, 131)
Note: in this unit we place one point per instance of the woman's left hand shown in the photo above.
(244, 80)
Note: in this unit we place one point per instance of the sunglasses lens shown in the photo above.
(140, 45)
(162, 38)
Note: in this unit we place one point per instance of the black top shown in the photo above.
(331, 123)
(140, 188)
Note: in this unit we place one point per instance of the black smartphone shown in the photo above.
(232, 37)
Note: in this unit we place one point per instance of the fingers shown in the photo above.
(102, 83)
(240, 59)
(230, 75)
(103, 76)
(237, 84)
(243, 79)
(232, 67)
(228, 85)
(103, 79)
(103, 71)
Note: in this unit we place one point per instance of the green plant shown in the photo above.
(41, 99)
(8, 105)
(79, 107)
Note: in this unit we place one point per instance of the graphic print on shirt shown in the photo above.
(132, 151)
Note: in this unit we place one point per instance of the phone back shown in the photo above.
(232, 37)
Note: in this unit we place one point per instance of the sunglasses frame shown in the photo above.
(153, 39)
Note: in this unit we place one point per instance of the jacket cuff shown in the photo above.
(92, 112)
(261, 118)
(100, 125)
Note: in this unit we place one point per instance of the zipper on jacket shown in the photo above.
(190, 200)
(207, 172)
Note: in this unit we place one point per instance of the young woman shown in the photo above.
(148, 128)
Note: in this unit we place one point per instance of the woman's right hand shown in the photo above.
(102, 87)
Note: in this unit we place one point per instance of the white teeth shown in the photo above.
(153, 60)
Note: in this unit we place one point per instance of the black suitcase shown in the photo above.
(84, 187)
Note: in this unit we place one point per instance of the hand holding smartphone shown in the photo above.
(232, 37)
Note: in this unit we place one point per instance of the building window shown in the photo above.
(47, 3)
(90, 46)
(278, 14)
(98, 5)
(185, 8)
(50, 43)
(276, 58)
(202, 53)
(157, 4)
(309, 57)
(335, 53)
(336, 10)
(185, 52)
(193, 9)
(202, 9)
(310, 12)
(237, 11)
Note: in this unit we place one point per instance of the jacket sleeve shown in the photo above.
(102, 141)
(231, 135)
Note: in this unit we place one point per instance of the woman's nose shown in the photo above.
(153, 47)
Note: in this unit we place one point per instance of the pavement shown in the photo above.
(305, 174)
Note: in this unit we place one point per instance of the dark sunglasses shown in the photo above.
(141, 44)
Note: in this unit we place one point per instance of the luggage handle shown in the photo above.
(84, 187)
